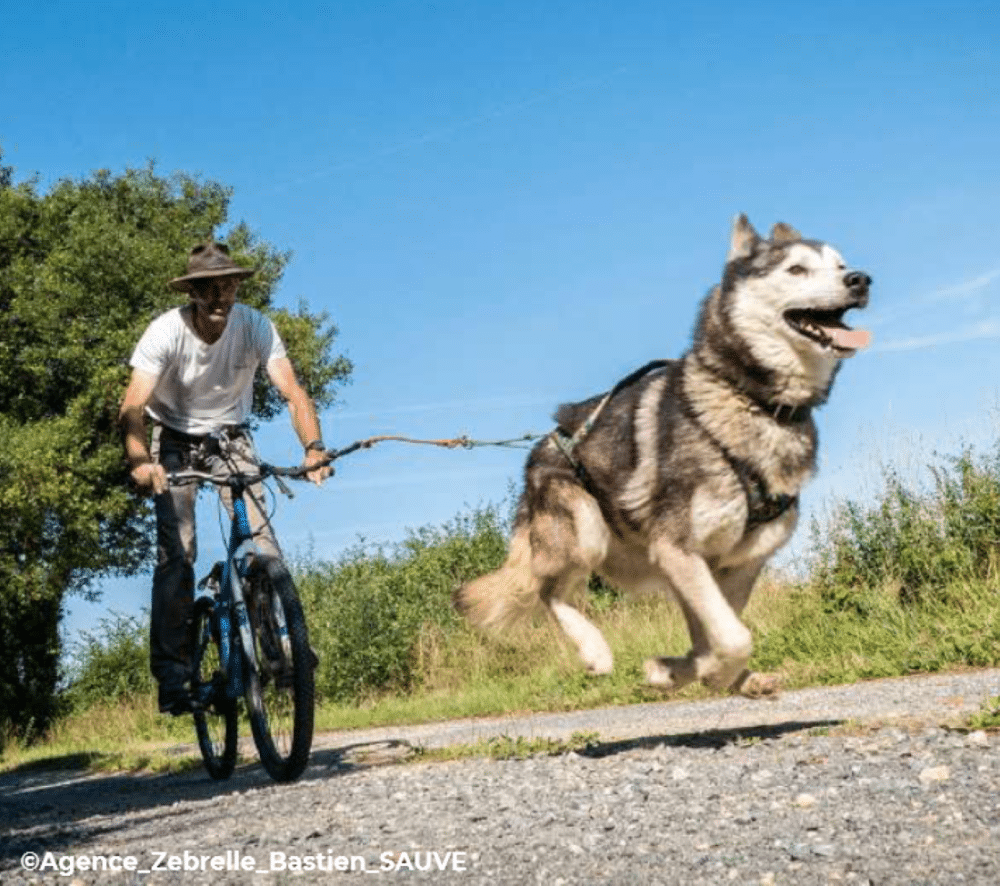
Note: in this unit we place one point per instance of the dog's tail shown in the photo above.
(499, 599)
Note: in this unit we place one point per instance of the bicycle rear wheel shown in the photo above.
(280, 693)
(215, 715)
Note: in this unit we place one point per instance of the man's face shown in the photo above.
(214, 298)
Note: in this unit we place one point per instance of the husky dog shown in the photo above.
(685, 477)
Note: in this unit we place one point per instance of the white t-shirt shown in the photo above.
(200, 387)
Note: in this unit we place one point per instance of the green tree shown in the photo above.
(83, 269)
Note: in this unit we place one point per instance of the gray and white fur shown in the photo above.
(688, 480)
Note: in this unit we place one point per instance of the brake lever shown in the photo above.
(283, 486)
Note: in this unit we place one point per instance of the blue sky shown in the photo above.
(506, 205)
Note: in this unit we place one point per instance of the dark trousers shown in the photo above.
(176, 540)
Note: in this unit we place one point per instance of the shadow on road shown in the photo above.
(709, 739)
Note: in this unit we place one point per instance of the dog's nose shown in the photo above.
(857, 280)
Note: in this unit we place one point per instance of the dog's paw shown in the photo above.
(752, 684)
(668, 673)
(596, 655)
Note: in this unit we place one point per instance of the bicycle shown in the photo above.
(249, 640)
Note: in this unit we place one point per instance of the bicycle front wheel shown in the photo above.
(215, 715)
(280, 692)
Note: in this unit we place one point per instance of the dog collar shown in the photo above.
(782, 413)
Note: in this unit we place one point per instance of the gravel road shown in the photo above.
(854, 784)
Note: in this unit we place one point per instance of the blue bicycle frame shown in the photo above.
(231, 602)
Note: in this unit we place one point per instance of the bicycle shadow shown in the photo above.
(54, 806)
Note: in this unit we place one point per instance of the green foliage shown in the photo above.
(919, 542)
(111, 664)
(83, 269)
(366, 611)
(988, 715)
(29, 638)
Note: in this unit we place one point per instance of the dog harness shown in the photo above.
(567, 443)
(762, 505)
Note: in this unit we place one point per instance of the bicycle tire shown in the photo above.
(216, 716)
(280, 694)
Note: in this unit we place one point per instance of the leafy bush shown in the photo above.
(366, 611)
(920, 541)
(111, 664)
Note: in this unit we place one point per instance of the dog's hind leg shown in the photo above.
(558, 541)
(569, 540)
(590, 643)
(721, 643)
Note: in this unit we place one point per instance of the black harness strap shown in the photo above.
(762, 505)
(568, 442)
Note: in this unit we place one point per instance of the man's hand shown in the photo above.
(322, 471)
(150, 478)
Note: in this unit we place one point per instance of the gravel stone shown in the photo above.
(842, 785)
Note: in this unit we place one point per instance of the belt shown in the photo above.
(196, 439)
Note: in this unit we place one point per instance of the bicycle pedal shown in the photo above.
(177, 707)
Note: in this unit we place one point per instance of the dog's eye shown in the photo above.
(797, 269)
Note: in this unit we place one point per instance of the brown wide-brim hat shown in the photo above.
(209, 260)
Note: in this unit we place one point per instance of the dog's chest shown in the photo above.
(733, 520)
(758, 543)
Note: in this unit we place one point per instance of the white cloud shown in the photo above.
(984, 329)
(964, 289)
(921, 306)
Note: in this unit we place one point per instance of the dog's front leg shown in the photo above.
(737, 584)
(721, 643)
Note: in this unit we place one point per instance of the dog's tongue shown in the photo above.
(849, 339)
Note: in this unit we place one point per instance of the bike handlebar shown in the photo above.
(236, 478)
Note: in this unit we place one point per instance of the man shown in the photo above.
(192, 374)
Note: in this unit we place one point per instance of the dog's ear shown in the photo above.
(744, 239)
(782, 233)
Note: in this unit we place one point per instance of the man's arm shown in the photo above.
(301, 410)
(132, 420)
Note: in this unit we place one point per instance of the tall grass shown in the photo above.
(927, 543)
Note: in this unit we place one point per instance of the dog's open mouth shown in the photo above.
(827, 329)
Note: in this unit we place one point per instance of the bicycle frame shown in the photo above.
(235, 569)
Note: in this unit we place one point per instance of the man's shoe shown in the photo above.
(174, 699)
